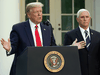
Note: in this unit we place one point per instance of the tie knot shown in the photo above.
(36, 26)
(86, 31)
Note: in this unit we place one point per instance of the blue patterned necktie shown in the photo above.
(87, 39)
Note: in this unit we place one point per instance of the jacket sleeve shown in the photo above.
(14, 41)
(67, 40)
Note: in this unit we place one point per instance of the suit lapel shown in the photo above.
(43, 30)
(45, 34)
(79, 35)
(92, 37)
(29, 33)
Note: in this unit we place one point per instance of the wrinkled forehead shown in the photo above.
(36, 9)
(84, 13)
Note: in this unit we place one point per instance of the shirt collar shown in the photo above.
(82, 30)
(33, 24)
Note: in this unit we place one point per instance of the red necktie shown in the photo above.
(38, 41)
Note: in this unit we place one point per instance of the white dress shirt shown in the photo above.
(32, 25)
(83, 32)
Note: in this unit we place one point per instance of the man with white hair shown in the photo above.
(90, 55)
(32, 32)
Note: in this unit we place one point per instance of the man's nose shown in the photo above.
(85, 18)
(39, 13)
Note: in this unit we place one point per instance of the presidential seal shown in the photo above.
(54, 61)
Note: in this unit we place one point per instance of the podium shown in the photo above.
(31, 61)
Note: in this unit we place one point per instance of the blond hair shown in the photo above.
(32, 5)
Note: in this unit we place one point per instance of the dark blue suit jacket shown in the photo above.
(21, 37)
(89, 60)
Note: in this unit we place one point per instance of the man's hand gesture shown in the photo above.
(5, 44)
(80, 44)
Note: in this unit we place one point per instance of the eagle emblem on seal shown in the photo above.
(54, 61)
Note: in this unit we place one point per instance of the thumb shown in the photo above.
(8, 40)
(75, 40)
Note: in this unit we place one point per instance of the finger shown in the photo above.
(75, 41)
(82, 42)
(8, 40)
(2, 43)
(82, 45)
(3, 39)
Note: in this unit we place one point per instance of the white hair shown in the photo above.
(32, 5)
(80, 11)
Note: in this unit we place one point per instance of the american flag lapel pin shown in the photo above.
(44, 29)
(92, 33)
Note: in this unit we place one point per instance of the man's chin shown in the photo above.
(39, 21)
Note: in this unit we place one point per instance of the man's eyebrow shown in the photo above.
(81, 16)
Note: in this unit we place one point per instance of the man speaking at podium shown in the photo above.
(32, 32)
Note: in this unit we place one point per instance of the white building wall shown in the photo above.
(97, 15)
(9, 15)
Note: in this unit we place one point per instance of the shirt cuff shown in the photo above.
(8, 52)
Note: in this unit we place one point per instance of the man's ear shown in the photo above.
(77, 19)
(90, 18)
(28, 15)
